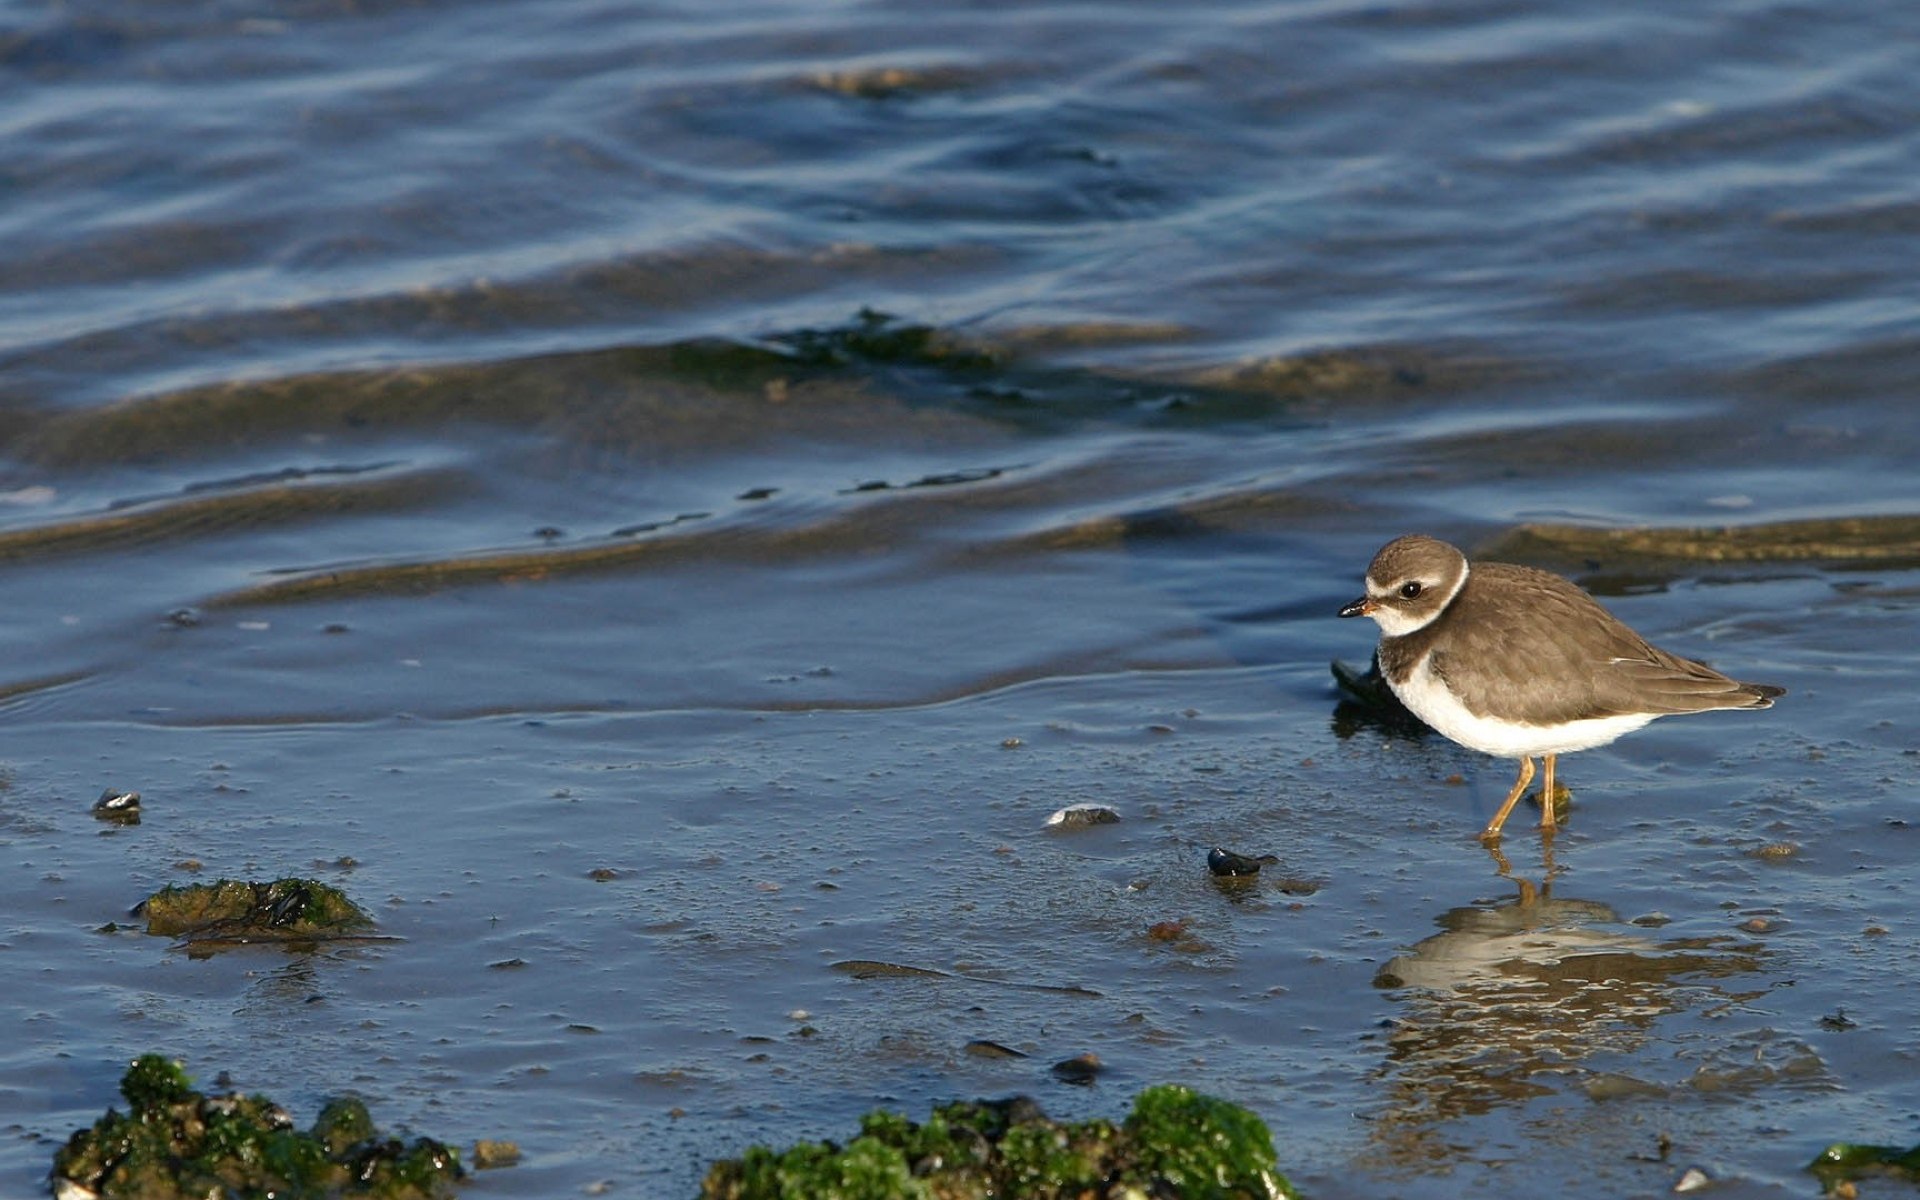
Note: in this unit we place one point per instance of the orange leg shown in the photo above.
(1492, 832)
(1546, 792)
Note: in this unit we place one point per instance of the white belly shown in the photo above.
(1428, 699)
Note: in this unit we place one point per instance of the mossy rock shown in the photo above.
(234, 910)
(177, 1143)
(1175, 1142)
(1843, 1162)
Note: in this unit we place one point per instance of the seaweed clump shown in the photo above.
(237, 910)
(176, 1142)
(877, 337)
(1176, 1142)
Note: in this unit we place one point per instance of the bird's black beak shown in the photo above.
(1363, 607)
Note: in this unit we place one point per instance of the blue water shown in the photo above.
(448, 436)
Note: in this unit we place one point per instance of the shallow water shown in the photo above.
(452, 451)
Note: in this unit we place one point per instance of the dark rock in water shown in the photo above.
(1366, 700)
(1081, 1069)
(1226, 862)
(492, 1155)
(1082, 816)
(177, 1143)
(121, 808)
(982, 1048)
(1175, 1142)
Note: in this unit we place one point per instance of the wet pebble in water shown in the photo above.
(1081, 816)
(982, 1048)
(1230, 864)
(1080, 1070)
(121, 808)
(490, 1155)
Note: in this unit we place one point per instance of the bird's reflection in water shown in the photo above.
(1507, 1000)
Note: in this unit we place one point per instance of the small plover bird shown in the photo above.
(1520, 663)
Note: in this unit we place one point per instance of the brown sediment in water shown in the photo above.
(226, 512)
(1891, 540)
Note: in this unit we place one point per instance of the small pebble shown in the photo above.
(489, 1155)
(982, 1048)
(1692, 1180)
(1081, 816)
(1080, 1070)
(121, 808)
(1226, 862)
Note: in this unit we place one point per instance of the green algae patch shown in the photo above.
(240, 911)
(1175, 1142)
(877, 337)
(177, 1143)
(1203, 1146)
(1844, 1162)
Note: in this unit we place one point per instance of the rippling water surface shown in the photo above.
(662, 505)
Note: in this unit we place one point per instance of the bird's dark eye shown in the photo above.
(1410, 589)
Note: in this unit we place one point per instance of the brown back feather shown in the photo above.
(1581, 661)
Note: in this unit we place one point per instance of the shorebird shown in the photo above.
(1520, 663)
